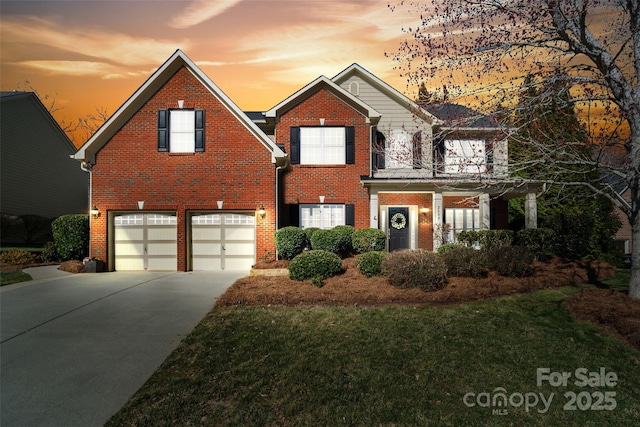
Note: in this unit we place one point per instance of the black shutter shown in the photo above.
(294, 134)
(350, 155)
(199, 127)
(417, 150)
(294, 215)
(349, 215)
(163, 130)
(379, 151)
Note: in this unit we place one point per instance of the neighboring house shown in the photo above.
(37, 175)
(182, 179)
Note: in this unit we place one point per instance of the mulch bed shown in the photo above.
(615, 312)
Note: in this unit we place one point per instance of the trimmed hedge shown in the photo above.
(315, 265)
(415, 268)
(71, 236)
(336, 240)
(443, 249)
(18, 257)
(541, 242)
(370, 263)
(309, 233)
(511, 261)
(465, 262)
(487, 239)
(345, 233)
(368, 240)
(290, 241)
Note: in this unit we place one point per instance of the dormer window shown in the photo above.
(181, 131)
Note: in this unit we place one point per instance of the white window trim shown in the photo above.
(182, 131)
(465, 156)
(399, 150)
(322, 216)
(454, 228)
(323, 145)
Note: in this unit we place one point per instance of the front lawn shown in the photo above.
(392, 365)
(13, 276)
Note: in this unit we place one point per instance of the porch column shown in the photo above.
(530, 211)
(373, 210)
(437, 221)
(485, 211)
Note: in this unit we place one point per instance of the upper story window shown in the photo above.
(465, 156)
(181, 131)
(322, 145)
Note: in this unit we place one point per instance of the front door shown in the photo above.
(398, 229)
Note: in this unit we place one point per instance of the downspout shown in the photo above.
(86, 166)
(278, 169)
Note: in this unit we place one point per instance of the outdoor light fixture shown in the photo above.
(262, 212)
(424, 210)
(95, 212)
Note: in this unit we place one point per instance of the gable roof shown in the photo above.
(323, 82)
(384, 87)
(87, 153)
(462, 117)
(33, 97)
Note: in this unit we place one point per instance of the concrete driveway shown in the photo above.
(74, 348)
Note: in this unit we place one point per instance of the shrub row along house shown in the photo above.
(182, 179)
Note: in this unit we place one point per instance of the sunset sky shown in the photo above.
(89, 54)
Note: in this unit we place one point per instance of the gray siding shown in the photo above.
(395, 116)
(36, 174)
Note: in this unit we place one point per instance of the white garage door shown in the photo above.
(223, 241)
(145, 242)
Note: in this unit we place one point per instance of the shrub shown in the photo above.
(71, 236)
(539, 241)
(417, 268)
(309, 233)
(443, 249)
(368, 240)
(512, 261)
(326, 240)
(369, 263)
(18, 257)
(290, 241)
(487, 239)
(345, 233)
(465, 262)
(50, 253)
(315, 265)
(573, 232)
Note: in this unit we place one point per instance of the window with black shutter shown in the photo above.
(181, 131)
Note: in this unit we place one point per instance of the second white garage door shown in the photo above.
(223, 241)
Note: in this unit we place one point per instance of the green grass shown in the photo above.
(11, 277)
(620, 282)
(406, 366)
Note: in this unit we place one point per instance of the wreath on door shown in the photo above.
(398, 221)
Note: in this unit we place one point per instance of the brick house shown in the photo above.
(182, 179)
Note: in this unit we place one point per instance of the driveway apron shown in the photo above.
(75, 348)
